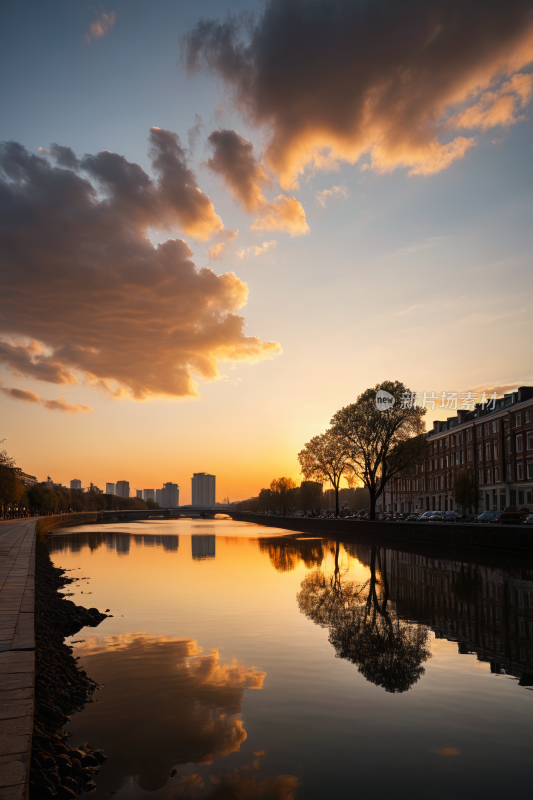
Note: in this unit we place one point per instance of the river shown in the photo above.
(241, 662)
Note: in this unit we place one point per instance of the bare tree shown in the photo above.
(381, 443)
(325, 458)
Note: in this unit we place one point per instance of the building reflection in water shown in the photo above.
(203, 547)
(383, 624)
(117, 542)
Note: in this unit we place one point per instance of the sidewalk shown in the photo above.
(17, 654)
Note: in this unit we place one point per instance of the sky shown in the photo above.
(221, 223)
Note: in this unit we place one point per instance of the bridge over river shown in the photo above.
(132, 514)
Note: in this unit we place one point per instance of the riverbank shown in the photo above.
(40, 685)
(508, 538)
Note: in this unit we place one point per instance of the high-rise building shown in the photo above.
(148, 494)
(159, 496)
(75, 484)
(203, 489)
(122, 489)
(170, 495)
(110, 488)
(139, 494)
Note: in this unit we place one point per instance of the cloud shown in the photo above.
(193, 133)
(255, 250)
(191, 715)
(101, 25)
(234, 160)
(325, 195)
(216, 251)
(335, 80)
(86, 294)
(51, 405)
(283, 214)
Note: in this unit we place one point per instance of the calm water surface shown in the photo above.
(244, 663)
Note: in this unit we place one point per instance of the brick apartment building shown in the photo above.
(495, 440)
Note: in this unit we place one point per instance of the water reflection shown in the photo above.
(203, 546)
(364, 627)
(168, 704)
(286, 553)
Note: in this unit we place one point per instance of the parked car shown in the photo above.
(487, 516)
(529, 520)
(496, 518)
(451, 516)
(413, 518)
(513, 517)
(425, 516)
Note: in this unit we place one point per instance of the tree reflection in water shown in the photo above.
(364, 626)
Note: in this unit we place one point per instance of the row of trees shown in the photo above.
(368, 443)
(18, 500)
(283, 496)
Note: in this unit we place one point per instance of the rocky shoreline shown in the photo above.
(58, 769)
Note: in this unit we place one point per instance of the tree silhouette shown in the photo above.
(363, 626)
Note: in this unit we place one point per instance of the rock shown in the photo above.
(65, 793)
(71, 783)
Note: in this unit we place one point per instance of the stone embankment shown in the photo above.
(508, 538)
(40, 684)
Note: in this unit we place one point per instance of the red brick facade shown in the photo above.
(497, 443)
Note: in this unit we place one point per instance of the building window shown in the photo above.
(509, 472)
(479, 431)
(517, 420)
(480, 476)
(530, 469)
(519, 443)
(487, 451)
(446, 441)
(462, 456)
(486, 426)
(452, 459)
(442, 463)
(447, 465)
(528, 415)
(495, 426)
(495, 449)
(469, 435)
(496, 474)
(461, 438)
(469, 452)
(505, 423)
(519, 470)
(530, 440)
(430, 484)
(489, 475)
(508, 445)
(479, 453)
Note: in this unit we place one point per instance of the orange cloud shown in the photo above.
(143, 321)
(283, 214)
(334, 81)
(216, 251)
(326, 195)
(255, 250)
(101, 25)
(51, 405)
(235, 161)
(500, 107)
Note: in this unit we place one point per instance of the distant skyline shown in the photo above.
(256, 233)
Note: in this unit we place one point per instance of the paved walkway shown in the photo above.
(17, 655)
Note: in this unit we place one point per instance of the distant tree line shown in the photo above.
(17, 500)
(284, 497)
